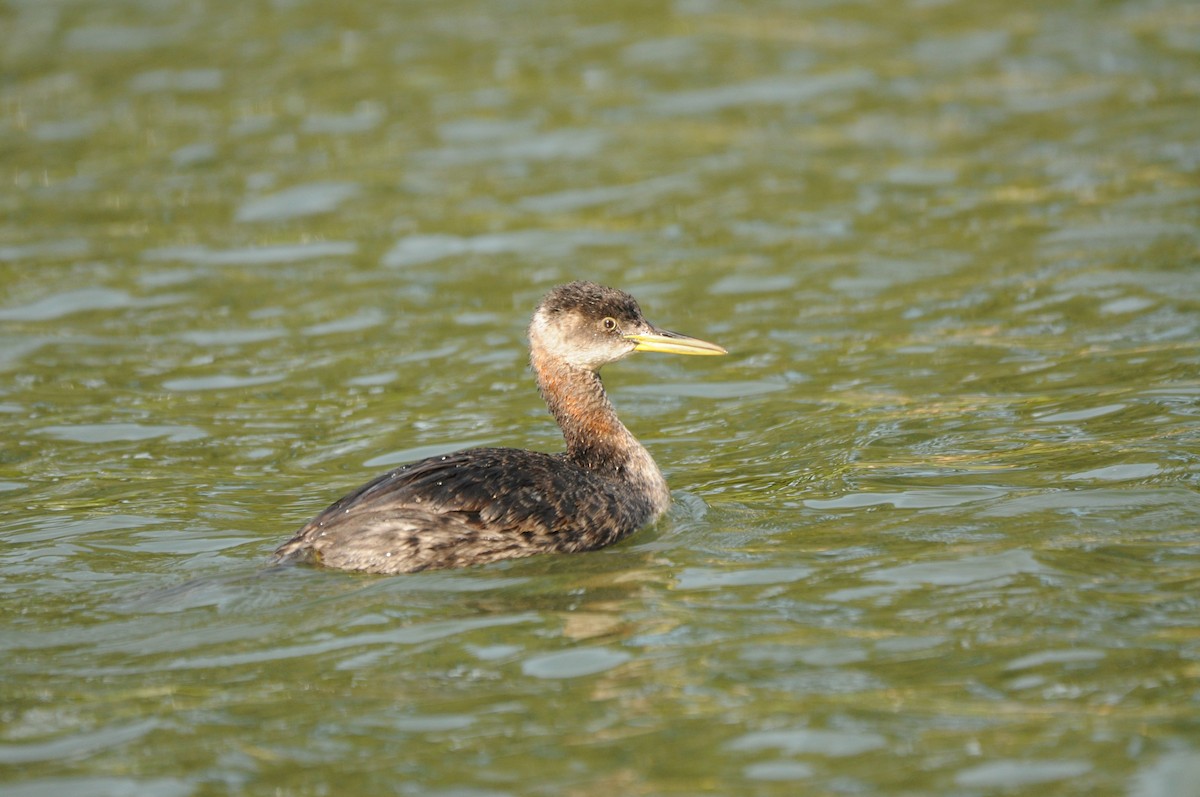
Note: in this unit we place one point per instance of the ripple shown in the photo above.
(406, 635)
(1126, 304)
(1054, 657)
(67, 130)
(219, 382)
(81, 300)
(911, 499)
(778, 770)
(310, 199)
(578, 199)
(959, 51)
(913, 175)
(190, 80)
(422, 452)
(1081, 415)
(1118, 473)
(1015, 772)
(100, 786)
(64, 130)
(557, 145)
(115, 432)
(806, 740)
(573, 663)
(193, 154)
(54, 528)
(14, 350)
(489, 129)
(967, 570)
(427, 724)
(63, 249)
(367, 116)
(744, 283)
(363, 319)
(253, 255)
(706, 578)
(1090, 500)
(121, 38)
(1126, 234)
(417, 249)
(778, 90)
(1173, 775)
(229, 337)
(76, 745)
(668, 51)
(712, 390)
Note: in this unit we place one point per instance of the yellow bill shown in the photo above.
(661, 340)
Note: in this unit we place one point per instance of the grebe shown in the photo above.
(486, 504)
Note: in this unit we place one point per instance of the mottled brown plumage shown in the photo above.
(486, 504)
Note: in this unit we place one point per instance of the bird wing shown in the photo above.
(504, 487)
(467, 507)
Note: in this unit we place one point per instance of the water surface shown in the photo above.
(935, 520)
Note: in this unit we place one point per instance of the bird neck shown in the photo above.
(576, 398)
(596, 438)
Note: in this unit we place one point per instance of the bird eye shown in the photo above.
(610, 324)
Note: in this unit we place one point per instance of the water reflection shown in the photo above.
(934, 522)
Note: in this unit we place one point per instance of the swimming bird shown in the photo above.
(487, 504)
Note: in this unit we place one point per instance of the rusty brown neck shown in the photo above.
(596, 439)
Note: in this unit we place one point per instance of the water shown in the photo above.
(935, 516)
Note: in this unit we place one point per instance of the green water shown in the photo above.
(935, 521)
